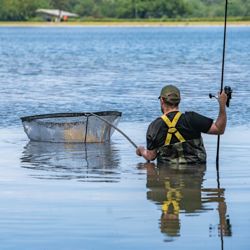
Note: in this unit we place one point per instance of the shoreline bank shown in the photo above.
(123, 24)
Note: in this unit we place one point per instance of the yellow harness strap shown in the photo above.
(171, 128)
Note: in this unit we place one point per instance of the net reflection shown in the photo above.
(95, 162)
(179, 191)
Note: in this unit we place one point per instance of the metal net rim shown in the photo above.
(75, 114)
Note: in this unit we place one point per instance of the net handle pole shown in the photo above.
(113, 126)
(222, 77)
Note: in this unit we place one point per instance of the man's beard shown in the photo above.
(162, 110)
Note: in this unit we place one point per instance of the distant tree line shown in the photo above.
(21, 10)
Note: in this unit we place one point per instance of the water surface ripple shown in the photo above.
(101, 196)
(44, 70)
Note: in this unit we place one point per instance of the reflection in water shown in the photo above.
(217, 195)
(95, 162)
(180, 191)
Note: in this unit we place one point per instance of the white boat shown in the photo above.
(71, 127)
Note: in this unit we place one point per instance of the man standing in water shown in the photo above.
(175, 138)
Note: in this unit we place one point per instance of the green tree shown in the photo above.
(58, 4)
(17, 10)
(84, 8)
(25, 9)
(117, 8)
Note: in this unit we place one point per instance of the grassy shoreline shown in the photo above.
(123, 23)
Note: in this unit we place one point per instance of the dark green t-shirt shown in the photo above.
(190, 126)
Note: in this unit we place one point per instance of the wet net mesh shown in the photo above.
(71, 127)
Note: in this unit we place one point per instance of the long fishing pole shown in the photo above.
(219, 198)
(221, 89)
(113, 126)
(222, 77)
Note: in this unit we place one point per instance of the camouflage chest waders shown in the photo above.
(182, 152)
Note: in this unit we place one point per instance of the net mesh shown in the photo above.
(71, 127)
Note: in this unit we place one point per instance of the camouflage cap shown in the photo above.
(171, 94)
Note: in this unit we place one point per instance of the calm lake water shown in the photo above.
(102, 196)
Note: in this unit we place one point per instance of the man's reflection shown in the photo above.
(84, 162)
(180, 191)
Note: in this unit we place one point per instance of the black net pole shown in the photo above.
(222, 77)
(86, 129)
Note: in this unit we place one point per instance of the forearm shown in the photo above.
(218, 128)
(221, 121)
